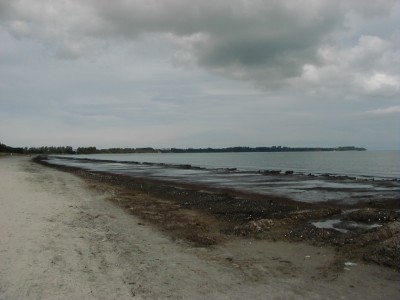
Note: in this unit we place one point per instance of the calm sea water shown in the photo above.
(377, 164)
(373, 174)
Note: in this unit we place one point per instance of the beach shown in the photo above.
(64, 236)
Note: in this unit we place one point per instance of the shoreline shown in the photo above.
(205, 216)
(310, 188)
(66, 237)
(325, 175)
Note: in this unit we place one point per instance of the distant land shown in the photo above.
(261, 149)
(93, 150)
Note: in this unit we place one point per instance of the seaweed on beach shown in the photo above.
(205, 216)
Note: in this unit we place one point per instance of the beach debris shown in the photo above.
(387, 245)
(315, 214)
(272, 218)
(361, 220)
(292, 219)
(381, 234)
(255, 227)
(350, 264)
(372, 215)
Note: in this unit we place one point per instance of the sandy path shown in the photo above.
(62, 240)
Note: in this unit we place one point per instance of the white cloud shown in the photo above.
(393, 110)
(369, 68)
(379, 84)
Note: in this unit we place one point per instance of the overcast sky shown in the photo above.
(196, 73)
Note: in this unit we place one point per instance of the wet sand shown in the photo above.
(69, 237)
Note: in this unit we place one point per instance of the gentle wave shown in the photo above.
(298, 186)
(375, 164)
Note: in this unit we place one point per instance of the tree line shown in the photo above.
(261, 149)
(94, 150)
(37, 150)
(70, 150)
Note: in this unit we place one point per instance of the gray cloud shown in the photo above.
(160, 72)
(267, 42)
(257, 40)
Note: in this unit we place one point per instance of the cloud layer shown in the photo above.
(264, 41)
(296, 55)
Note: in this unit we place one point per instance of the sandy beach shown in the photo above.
(61, 237)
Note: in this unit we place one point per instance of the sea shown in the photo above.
(344, 176)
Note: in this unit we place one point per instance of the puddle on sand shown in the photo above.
(329, 224)
(343, 226)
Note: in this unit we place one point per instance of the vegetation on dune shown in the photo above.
(7, 149)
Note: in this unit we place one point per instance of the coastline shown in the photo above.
(139, 253)
(204, 216)
(310, 185)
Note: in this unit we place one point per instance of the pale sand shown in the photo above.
(60, 239)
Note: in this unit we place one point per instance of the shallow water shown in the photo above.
(376, 164)
(299, 187)
(343, 226)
